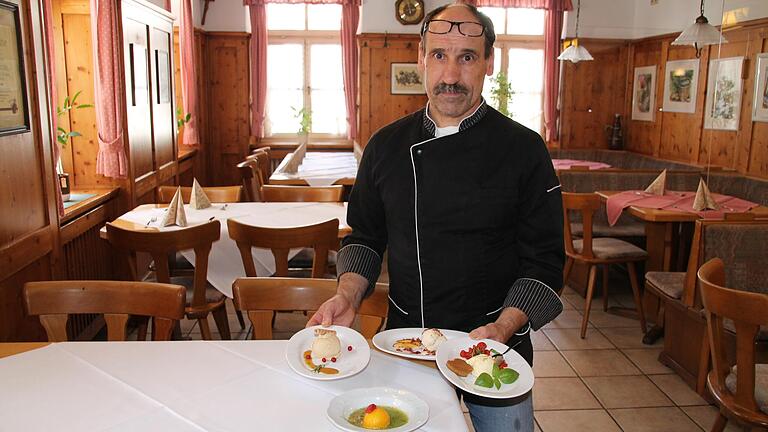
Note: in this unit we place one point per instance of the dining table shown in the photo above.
(578, 165)
(318, 169)
(192, 386)
(224, 262)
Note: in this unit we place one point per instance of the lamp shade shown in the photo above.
(575, 53)
(699, 34)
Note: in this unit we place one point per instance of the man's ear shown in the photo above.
(421, 59)
(489, 65)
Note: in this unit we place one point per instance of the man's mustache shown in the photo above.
(450, 88)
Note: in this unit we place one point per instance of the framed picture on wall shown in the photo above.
(760, 104)
(644, 93)
(406, 79)
(680, 86)
(14, 111)
(723, 104)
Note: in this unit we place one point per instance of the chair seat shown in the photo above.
(762, 334)
(612, 249)
(631, 229)
(670, 284)
(212, 295)
(761, 385)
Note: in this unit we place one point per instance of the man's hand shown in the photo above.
(510, 320)
(342, 307)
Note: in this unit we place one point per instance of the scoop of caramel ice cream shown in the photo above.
(326, 344)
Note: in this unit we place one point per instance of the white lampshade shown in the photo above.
(575, 53)
(699, 34)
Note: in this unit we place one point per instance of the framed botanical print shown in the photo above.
(680, 86)
(760, 103)
(644, 93)
(723, 104)
(406, 79)
(14, 110)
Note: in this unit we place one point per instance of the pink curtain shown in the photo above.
(188, 73)
(350, 16)
(168, 5)
(50, 70)
(553, 28)
(111, 160)
(258, 12)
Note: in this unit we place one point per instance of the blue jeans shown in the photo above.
(517, 418)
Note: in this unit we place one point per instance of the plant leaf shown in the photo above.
(74, 134)
(84, 106)
(508, 376)
(497, 383)
(484, 380)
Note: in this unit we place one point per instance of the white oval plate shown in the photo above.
(385, 340)
(450, 349)
(344, 404)
(348, 362)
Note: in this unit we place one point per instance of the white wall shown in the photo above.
(378, 16)
(604, 19)
(226, 15)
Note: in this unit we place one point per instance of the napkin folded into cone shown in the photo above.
(658, 186)
(175, 214)
(199, 199)
(703, 199)
(296, 158)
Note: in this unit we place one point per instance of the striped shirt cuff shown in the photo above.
(359, 259)
(537, 300)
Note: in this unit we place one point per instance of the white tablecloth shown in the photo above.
(325, 168)
(193, 386)
(224, 262)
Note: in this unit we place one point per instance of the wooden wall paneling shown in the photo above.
(163, 116)
(203, 153)
(643, 136)
(661, 70)
(61, 76)
(378, 107)
(228, 100)
(15, 324)
(758, 155)
(755, 38)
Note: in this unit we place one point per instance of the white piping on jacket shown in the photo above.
(396, 305)
(552, 188)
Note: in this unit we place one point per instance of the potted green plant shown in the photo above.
(305, 123)
(181, 120)
(501, 93)
(63, 136)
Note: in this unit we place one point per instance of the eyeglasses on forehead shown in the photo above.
(467, 28)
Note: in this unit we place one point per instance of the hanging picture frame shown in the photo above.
(723, 103)
(760, 102)
(406, 79)
(681, 82)
(14, 110)
(644, 93)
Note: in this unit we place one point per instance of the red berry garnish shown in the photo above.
(333, 359)
(482, 346)
(369, 409)
(324, 360)
(349, 348)
(307, 356)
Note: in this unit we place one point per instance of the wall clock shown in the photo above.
(409, 11)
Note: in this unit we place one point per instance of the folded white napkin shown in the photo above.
(175, 214)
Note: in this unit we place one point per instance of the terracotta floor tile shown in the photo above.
(551, 364)
(576, 420)
(669, 419)
(647, 359)
(601, 319)
(568, 319)
(677, 390)
(705, 416)
(600, 363)
(629, 337)
(626, 392)
(570, 339)
(541, 342)
(578, 302)
(562, 393)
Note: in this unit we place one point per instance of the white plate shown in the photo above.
(385, 340)
(344, 404)
(348, 362)
(450, 349)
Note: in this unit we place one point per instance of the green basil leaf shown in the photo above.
(508, 376)
(495, 370)
(497, 383)
(484, 380)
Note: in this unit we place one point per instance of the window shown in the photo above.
(304, 71)
(519, 53)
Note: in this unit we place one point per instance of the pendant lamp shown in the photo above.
(576, 53)
(699, 34)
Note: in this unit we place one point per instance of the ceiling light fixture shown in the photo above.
(699, 34)
(576, 53)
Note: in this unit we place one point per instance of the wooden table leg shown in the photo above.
(658, 242)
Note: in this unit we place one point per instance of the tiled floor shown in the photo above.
(609, 381)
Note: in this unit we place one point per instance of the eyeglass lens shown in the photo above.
(467, 28)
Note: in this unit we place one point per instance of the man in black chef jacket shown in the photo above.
(468, 205)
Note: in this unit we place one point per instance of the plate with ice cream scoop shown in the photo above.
(415, 343)
(378, 408)
(472, 366)
(327, 353)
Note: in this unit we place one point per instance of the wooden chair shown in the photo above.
(740, 391)
(321, 237)
(252, 179)
(594, 252)
(53, 301)
(217, 194)
(275, 193)
(264, 159)
(262, 297)
(201, 297)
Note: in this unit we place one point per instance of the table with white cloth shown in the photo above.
(193, 386)
(224, 262)
(318, 169)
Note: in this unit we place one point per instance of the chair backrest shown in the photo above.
(748, 312)
(275, 193)
(252, 179)
(586, 204)
(220, 194)
(321, 237)
(159, 244)
(53, 301)
(261, 297)
(264, 159)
